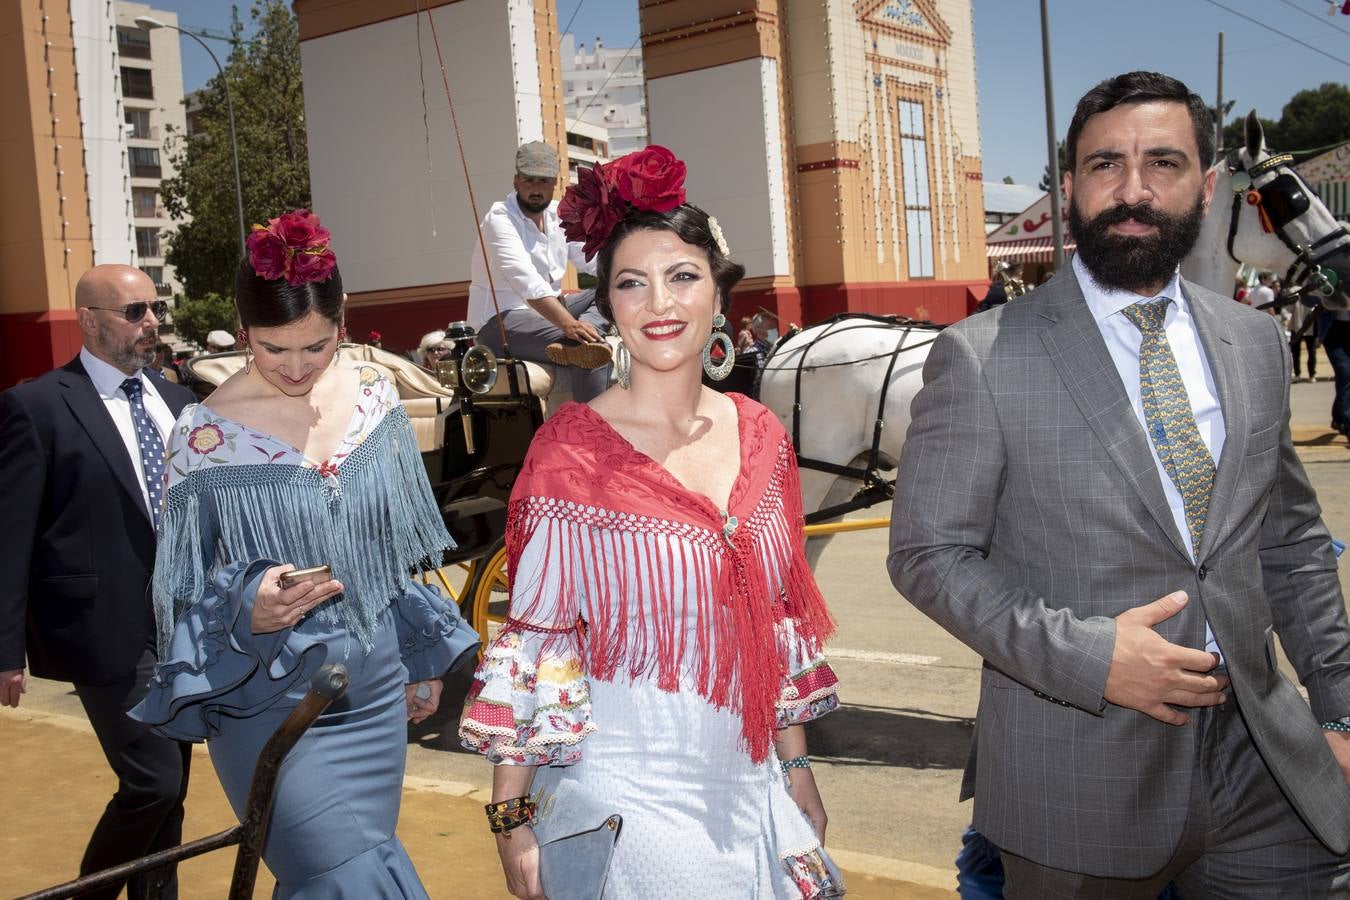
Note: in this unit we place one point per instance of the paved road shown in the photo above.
(889, 762)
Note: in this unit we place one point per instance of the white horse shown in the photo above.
(845, 366)
(1251, 181)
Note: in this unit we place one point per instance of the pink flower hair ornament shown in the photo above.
(293, 246)
(650, 179)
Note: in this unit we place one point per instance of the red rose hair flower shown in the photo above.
(651, 180)
(591, 208)
(294, 246)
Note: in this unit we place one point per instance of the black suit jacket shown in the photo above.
(79, 546)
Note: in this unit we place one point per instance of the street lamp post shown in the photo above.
(1057, 225)
(150, 24)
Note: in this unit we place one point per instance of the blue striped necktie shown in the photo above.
(1171, 422)
(151, 444)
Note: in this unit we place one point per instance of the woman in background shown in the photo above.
(302, 460)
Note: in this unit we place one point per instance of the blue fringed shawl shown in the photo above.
(377, 525)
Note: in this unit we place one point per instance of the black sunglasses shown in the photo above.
(134, 312)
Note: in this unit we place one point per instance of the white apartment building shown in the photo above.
(604, 89)
(587, 145)
(150, 75)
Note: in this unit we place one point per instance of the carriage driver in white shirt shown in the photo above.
(528, 255)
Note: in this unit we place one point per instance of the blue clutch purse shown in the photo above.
(576, 838)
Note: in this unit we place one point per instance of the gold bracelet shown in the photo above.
(509, 814)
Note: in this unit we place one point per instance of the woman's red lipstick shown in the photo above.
(664, 330)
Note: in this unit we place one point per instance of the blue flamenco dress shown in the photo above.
(239, 501)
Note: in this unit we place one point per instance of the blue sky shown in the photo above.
(1089, 40)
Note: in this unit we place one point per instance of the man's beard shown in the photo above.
(125, 356)
(1134, 262)
(528, 206)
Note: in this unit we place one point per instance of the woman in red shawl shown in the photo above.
(664, 642)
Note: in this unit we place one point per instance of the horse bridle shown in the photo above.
(1283, 199)
(875, 488)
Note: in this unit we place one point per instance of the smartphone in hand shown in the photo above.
(313, 573)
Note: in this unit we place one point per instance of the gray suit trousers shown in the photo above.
(529, 333)
(1241, 839)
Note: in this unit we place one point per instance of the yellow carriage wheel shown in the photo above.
(488, 591)
(461, 572)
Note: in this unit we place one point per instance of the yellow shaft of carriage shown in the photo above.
(851, 525)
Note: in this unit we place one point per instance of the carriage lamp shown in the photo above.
(469, 369)
(466, 364)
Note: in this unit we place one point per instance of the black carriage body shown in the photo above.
(472, 486)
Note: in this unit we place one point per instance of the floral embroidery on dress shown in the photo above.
(528, 706)
(206, 439)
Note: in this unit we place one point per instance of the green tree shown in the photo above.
(1063, 150)
(1313, 118)
(265, 85)
(194, 319)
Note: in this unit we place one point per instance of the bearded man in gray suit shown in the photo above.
(1099, 495)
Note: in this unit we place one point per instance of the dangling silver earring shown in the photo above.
(248, 359)
(622, 365)
(719, 371)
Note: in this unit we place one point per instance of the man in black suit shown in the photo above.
(82, 460)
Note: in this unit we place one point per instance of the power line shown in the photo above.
(1321, 19)
(1282, 34)
(568, 26)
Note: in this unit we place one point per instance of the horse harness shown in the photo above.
(1282, 199)
(875, 488)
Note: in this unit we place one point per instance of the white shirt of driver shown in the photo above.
(527, 263)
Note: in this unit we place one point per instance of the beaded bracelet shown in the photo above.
(800, 762)
(509, 814)
(1337, 725)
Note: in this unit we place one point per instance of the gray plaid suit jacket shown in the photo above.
(1029, 513)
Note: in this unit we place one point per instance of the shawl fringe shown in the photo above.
(374, 526)
(613, 582)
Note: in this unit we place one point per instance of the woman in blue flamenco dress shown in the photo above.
(303, 460)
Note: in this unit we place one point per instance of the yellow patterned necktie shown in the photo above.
(1171, 423)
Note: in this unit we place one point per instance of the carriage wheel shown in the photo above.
(487, 592)
(455, 594)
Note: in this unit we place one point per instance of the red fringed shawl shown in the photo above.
(649, 577)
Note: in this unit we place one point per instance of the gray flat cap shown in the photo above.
(536, 160)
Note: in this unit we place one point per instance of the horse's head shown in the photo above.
(1278, 222)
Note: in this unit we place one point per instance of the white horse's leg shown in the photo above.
(840, 490)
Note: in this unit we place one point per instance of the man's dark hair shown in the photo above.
(1142, 87)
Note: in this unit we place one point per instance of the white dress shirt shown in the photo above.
(108, 382)
(1123, 341)
(527, 263)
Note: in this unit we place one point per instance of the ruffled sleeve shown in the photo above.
(433, 637)
(810, 688)
(216, 666)
(530, 702)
